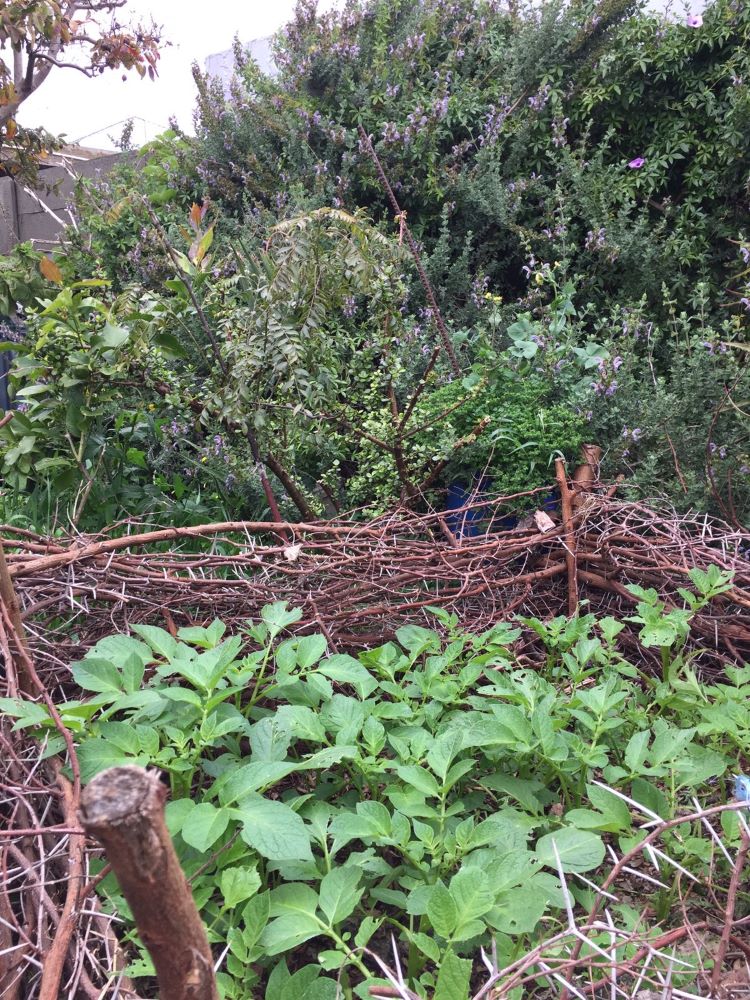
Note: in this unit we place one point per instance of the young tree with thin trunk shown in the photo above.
(39, 36)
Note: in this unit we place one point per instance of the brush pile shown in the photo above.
(357, 582)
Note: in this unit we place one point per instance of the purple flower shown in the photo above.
(479, 286)
(558, 132)
(390, 133)
(493, 126)
(745, 252)
(350, 306)
(616, 362)
(694, 21)
(529, 266)
(440, 109)
(637, 163)
(538, 101)
(595, 240)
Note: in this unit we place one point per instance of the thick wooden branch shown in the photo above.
(123, 807)
(295, 493)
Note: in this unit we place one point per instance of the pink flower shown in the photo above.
(695, 21)
(637, 163)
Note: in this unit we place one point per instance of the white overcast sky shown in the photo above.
(70, 103)
(89, 110)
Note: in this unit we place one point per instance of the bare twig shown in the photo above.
(726, 932)
(570, 539)
(436, 314)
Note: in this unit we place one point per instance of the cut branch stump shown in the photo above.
(123, 807)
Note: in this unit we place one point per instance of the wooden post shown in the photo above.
(587, 472)
(571, 560)
(123, 807)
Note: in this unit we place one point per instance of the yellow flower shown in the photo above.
(539, 278)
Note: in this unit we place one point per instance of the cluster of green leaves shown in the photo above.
(430, 788)
(85, 432)
(522, 431)
(21, 281)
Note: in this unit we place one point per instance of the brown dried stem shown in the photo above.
(570, 539)
(726, 932)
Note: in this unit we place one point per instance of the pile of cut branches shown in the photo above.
(359, 581)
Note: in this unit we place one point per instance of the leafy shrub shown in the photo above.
(502, 431)
(500, 128)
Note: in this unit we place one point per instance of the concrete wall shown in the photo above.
(40, 215)
(222, 63)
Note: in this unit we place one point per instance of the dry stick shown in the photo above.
(123, 807)
(677, 468)
(17, 632)
(628, 856)
(421, 386)
(10, 968)
(569, 545)
(436, 314)
(43, 563)
(726, 932)
(54, 960)
(263, 476)
(587, 472)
